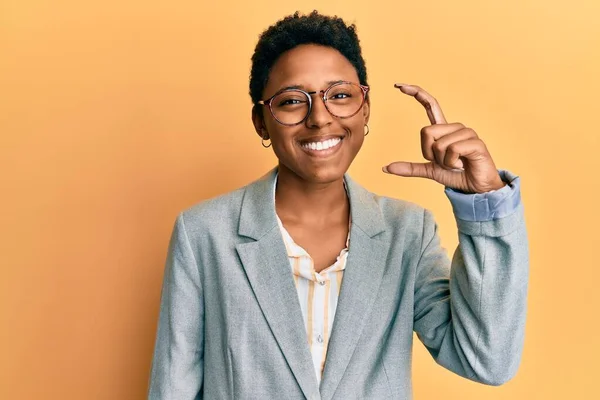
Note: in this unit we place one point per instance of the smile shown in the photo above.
(322, 146)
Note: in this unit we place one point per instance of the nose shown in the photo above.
(319, 116)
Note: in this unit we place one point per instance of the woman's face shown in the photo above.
(313, 68)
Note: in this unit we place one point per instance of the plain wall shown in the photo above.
(116, 115)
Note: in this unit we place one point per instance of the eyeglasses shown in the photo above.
(291, 107)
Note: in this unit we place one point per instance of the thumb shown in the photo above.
(410, 169)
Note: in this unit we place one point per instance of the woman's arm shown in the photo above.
(472, 318)
(178, 365)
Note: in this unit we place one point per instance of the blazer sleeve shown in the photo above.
(177, 364)
(470, 315)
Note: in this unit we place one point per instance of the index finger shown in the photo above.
(434, 111)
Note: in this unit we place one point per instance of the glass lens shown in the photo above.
(290, 107)
(344, 99)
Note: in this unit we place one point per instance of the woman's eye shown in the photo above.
(290, 102)
(340, 96)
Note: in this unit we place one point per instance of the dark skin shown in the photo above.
(310, 197)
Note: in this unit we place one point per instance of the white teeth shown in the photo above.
(324, 145)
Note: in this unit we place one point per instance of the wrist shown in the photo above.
(498, 185)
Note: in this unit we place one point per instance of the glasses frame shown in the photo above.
(269, 101)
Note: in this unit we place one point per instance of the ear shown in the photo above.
(259, 122)
(367, 110)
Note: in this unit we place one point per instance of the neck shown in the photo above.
(300, 201)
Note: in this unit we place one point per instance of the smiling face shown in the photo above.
(320, 149)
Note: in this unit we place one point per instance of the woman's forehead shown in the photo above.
(310, 67)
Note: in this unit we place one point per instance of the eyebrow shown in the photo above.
(329, 83)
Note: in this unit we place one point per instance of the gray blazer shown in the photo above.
(230, 324)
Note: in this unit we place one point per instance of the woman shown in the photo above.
(305, 285)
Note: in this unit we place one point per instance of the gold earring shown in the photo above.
(367, 132)
(263, 143)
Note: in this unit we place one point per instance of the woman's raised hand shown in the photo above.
(457, 157)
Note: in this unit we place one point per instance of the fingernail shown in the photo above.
(384, 169)
(399, 85)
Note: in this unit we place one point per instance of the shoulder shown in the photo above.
(216, 206)
(398, 216)
(391, 206)
(405, 222)
(376, 211)
(393, 209)
(215, 210)
(402, 213)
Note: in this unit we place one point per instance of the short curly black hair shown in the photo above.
(295, 30)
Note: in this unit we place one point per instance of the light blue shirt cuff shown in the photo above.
(487, 206)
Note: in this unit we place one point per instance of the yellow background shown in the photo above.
(116, 115)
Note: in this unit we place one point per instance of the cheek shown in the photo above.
(281, 137)
(277, 132)
(357, 127)
(271, 125)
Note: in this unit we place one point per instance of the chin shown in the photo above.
(324, 175)
(315, 173)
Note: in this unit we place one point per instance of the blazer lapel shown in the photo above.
(360, 284)
(267, 267)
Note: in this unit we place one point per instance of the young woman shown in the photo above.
(305, 285)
